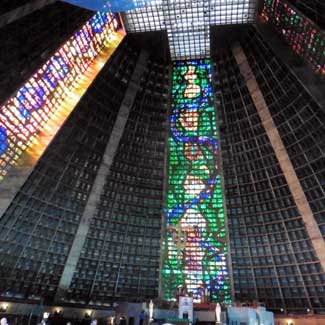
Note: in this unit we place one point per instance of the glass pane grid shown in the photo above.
(188, 23)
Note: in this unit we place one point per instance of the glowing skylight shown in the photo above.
(188, 22)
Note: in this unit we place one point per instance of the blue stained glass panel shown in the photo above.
(111, 5)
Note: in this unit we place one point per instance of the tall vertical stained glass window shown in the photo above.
(195, 246)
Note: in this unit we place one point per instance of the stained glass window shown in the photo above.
(195, 248)
(305, 38)
(24, 115)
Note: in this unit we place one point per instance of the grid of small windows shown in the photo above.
(313, 9)
(148, 19)
(188, 22)
(300, 121)
(305, 38)
(28, 42)
(121, 255)
(37, 230)
(273, 260)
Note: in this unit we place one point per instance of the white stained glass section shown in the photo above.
(188, 22)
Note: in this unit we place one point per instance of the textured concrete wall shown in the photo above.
(23, 11)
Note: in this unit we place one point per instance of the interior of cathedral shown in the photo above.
(157, 149)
